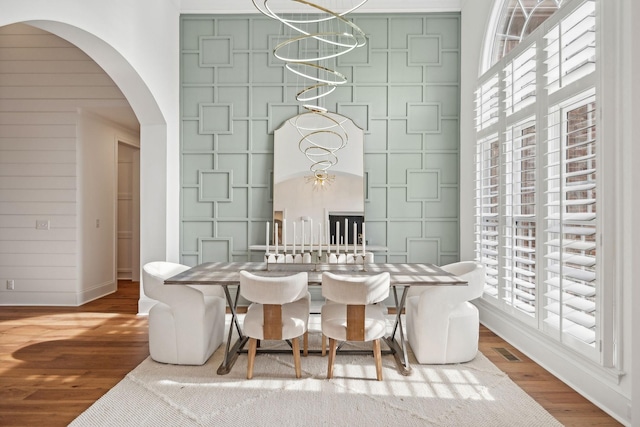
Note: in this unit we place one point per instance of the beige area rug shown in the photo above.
(470, 394)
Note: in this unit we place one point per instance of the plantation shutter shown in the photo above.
(571, 220)
(487, 218)
(520, 217)
(571, 48)
(487, 103)
(520, 81)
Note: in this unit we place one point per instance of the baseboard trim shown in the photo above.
(97, 291)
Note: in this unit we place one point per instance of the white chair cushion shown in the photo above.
(334, 321)
(295, 318)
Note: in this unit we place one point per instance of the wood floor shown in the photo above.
(55, 362)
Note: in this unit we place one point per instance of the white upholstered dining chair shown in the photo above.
(186, 324)
(352, 312)
(279, 310)
(346, 258)
(442, 325)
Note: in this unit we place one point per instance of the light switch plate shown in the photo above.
(42, 224)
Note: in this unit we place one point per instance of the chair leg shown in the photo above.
(377, 354)
(332, 357)
(253, 344)
(324, 345)
(295, 344)
(305, 344)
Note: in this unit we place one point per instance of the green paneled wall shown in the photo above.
(403, 90)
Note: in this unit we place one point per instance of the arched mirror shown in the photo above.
(316, 184)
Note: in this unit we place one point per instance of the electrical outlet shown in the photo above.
(11, 285)
(97, 223)
(42, 224)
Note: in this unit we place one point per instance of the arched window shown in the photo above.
(516, 19)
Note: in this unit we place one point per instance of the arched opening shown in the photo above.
(68, 289)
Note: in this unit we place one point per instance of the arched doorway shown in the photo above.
(153, 136)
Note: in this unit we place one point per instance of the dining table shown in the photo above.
(402, 277)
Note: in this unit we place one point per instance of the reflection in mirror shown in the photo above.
(298, 196)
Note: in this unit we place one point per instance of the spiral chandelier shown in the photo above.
(315, 40)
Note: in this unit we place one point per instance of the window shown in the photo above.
(536, 172)
(518, 19)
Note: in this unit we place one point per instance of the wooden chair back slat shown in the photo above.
(272, 317)
(355, 322)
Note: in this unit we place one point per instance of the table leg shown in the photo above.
(231, 353)
(399, 350)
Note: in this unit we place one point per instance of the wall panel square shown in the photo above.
(238, 207)
(193, 73)
(237, 141)
(398, 165)
(400, 70)
(192, 97)
(238, 29)
(192, 163)
(238, 72)
(400, 207)
(192, 139)
(193, 207)
(376, 72)
(192, 231)
(402, 26)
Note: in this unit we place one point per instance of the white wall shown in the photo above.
(475, 19)
(611, 389)
(137, 44)
(43, 82)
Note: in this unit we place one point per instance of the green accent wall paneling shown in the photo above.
(403, 90)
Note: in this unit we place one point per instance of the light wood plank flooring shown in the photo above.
(55, 362)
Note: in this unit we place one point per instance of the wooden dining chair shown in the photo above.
(279, 310)
(353, 312)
